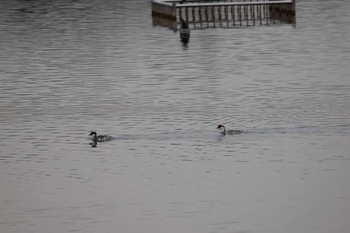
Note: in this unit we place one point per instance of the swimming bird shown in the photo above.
(99, 138)
(229, 132)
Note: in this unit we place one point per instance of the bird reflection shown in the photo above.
(93, 144)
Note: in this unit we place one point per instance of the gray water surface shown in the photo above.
(69, 67)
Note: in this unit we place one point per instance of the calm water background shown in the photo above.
(68, 67)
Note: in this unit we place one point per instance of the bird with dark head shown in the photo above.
(99, 138)
(230, 132)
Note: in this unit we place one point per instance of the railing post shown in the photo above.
(294, 12)
(173, 11)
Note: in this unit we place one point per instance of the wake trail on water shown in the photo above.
(342, 129)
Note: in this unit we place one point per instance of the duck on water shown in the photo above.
(99, 138)
(229, 132)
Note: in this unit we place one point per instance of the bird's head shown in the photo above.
(93, 133)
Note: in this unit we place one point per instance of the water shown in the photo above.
(70, 67)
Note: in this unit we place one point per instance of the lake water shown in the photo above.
(69, 67)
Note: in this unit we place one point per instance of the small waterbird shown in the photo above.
(229, 132)
(99, 138)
